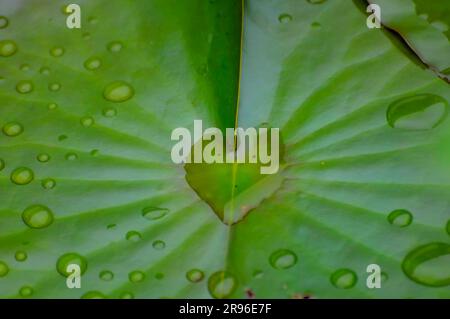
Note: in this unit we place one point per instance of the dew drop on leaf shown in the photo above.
(37, 216)
(428, 265)
(344, 278)
(4, 22)
(159, 244)
(21, 255)
(154, 213)
(54, 87)
(25, 67)
(159, 276)
(92, 63)
(258, 274)
(7, 48)
(12, 129)
(136, 276)
(282, 259)
(2, 164)
(52, 106)
(62, 137)
(71, 258)
(400, 217)
(115, 46)
(87, 121)
(221, 284)
(57, 51)
(118, 91)
(447, 228)
(109, 112)
(26, 291)
(71, 156)
(133, 236)
(48, 183)
(43, 157)
(417, 112)
(4, 269)
(22, 176)
(195, 275)
(106, 275)
(316, 1)
(24, 87)
(126, 295)
(44, 70)
(93, 295)
(284, 18)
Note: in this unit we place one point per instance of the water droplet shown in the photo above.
(221, 284)
(106, 275)
(43, 157)
(26, 291)
(62, 137)
(159, 276)
(94, 152)
(21, 255)
(284, 18)
(48, 183)
(92, 20)
(54, 87)
(315, 25)
(344, 278)
(22, 176)
(400, 217)
(44, 70)
(417, 112)
(111, 226)
(3, 22)
(86, 35)
(316, 1)
(87, 121)
(24, 87)
(92, 63)
(448, 227)
(25, 67)
(282, 259)
(428, 265)
(12, 129)
(93, 295)
(118, 91)
(154, 213)
(37, 216)
(136, 276)
(258, 274)
(109, 112)
(52, 106)
(126, 295)
(2, 164)
(71, 258)
(4, 269)
(133, 235)
(57, 51)
(115, 46)
(195, 275)
(71, 156)
(159, 244)
(7, 48)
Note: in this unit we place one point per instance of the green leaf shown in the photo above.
(86, 174)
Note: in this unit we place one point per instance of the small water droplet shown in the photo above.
(133, 236)
(400, 217)
(344, 278)
(71, 258)
(43, 157)
(417, 112)
(25, 67)
(428, 265)
(92, 63)
(284, 18)
(283, 259)
(92, 20)
(136, 276)
(109, 112)
(115, 46)
(48, 183)
(7, 48)
(71, 156)
(87, 121)
(258, 274)
(316, 1)
(4, 269)
(118, 91)
(22, 176)
(93, 295)
(315, 25)
(52, 106)
(62, 137)
(26, 291)
(21, 255)
(111, 226)
(447, 228)
(154, 213)
(126, 295)
(195, 275)
(57, 51)
(94, 152)
(4, 22)
(221, 284)
(37, 216)
(12, 129)
(24, 87)
(159, 276)
(44, 70)
(2, 164)
(159, 244)
(54, 87)
(86, 35)
(106, 275)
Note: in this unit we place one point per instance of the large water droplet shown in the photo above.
(37, 216)
(24, 87)
(417, 112)
(22, 176)
(93, 295)
(136, 276)
(48, 183)
(21, 255)
(26, 291)
(159, 244)
(87, 121)
(106, 275)
(133, 235)
(57, 51)
(429, 265)
(93, 63)
(195, 275)
(344, 278)
(115, 46)
(3, 22)
(284, 18)
(221, 284)
(7, 48)
(282, 259)
(4, 269)
(71, 258)
(400, 217)
(12, 129)
(118, 91)
(154, 213)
